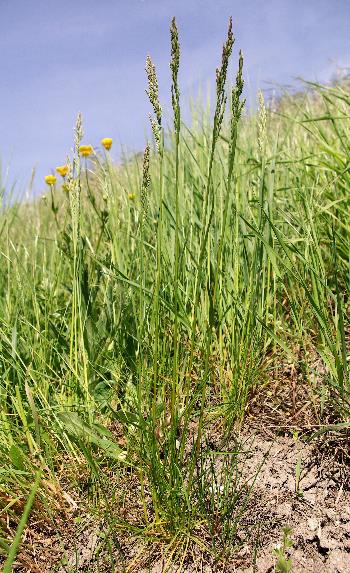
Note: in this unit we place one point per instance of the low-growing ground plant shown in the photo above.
(284, 563)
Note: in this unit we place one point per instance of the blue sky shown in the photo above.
(58, 57)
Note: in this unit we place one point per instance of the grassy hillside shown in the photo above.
(149, 310)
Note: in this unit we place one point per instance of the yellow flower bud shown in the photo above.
(107, 143)
(86, 150)
(50, 179)
(62, 170)
(131, 196)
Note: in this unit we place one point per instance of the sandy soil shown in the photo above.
(315, 505)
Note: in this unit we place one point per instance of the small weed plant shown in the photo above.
(284, 563)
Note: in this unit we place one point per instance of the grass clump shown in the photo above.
(144, 309)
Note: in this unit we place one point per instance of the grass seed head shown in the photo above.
(153, 96)
(146, 180)
(221, 76)
(261, 122)
(153, 90)
(174, 66)
(236, 103)
(78, 131)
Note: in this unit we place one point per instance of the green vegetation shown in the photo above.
(284, 564)
(145, 305)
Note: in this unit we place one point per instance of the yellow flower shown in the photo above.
(62, 170)
(107, 143)
(86, 150)
(131, 196)
(50, 179)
